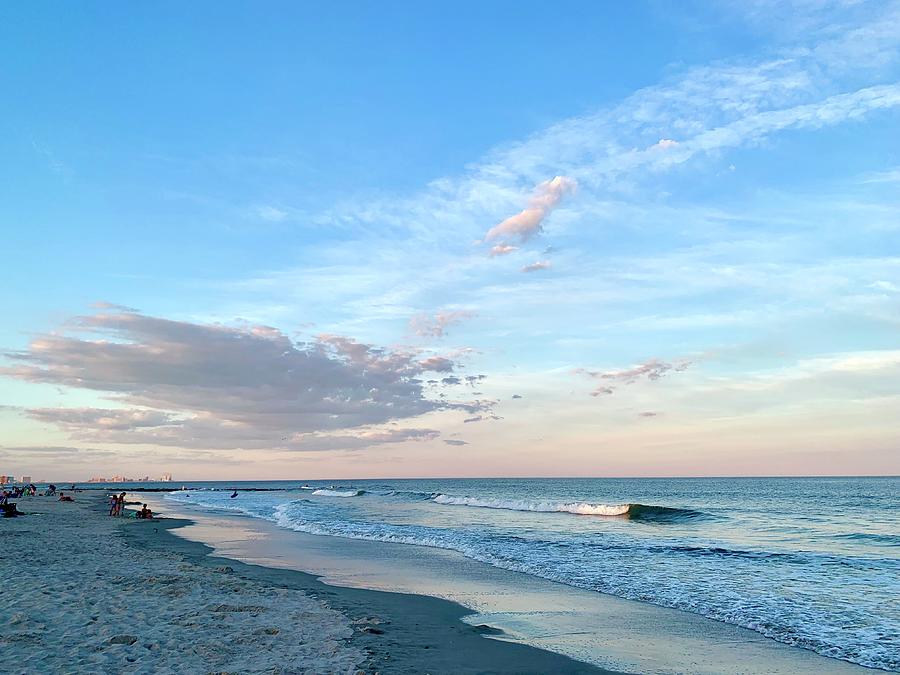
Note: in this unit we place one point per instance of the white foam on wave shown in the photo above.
(337, 493)
(579, 508)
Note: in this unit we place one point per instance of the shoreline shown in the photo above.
(225, 592)
(604, 630)
(95, 594)
(400, 633)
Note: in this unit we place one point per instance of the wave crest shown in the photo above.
(337, 493)
(632, 511)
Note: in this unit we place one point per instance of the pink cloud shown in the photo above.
(652, 369)
(502, 249)
(527, 222)
(438, 364)
(537, 266)
(436, 326)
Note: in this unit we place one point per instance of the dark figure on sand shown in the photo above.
(7, 508)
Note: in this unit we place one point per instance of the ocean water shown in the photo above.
(811, 562)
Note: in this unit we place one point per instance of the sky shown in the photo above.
(456, 239)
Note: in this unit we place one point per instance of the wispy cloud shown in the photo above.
(537, 266)
(665, 143)
(270, 213)
(55, 452)
(319, 442)
(425, 325)
(889, 176)
(502, 249)
(417, 248)
(652, 370)
(55, 165)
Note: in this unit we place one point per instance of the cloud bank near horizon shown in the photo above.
(214, 386)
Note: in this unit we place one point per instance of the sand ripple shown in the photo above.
(79, 599)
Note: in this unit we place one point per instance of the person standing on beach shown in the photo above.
(120, 509)
(114, 505)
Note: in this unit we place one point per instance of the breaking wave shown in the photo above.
(337, 493)
(631, 511)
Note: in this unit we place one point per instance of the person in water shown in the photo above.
(145, 512)
(234, 494)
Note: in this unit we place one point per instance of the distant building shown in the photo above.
(26, 479)
(4, 480)
(166, 478)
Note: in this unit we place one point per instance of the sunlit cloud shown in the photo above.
(425, 325)
(651, 370)
(360, 440)
(437, 364)
(537, 266)
(525, 224)
(502, 249)
(213, 386)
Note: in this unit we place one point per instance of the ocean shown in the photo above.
(811, 562)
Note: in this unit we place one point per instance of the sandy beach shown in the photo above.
(94, 594)
(88, 598)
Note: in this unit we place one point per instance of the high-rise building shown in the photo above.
(26, 479)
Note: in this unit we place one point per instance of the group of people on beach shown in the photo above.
(116, 501)
(117, 507)
(17, 491)
(8, 508)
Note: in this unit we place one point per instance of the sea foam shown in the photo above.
(579, 508)
(337, 493)
(631, 511)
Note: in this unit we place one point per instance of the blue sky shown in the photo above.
(663, 238)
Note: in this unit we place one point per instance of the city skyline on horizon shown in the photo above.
(651, 241)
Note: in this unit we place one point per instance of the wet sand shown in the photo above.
(93, 594)
(604, 630)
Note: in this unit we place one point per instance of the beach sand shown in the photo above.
(81, 597)
(85, 593)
